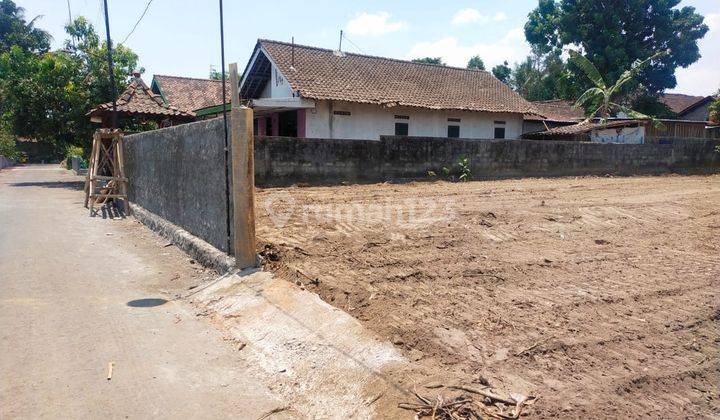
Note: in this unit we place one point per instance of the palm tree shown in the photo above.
(600, 96)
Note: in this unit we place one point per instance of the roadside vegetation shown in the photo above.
(45, 93)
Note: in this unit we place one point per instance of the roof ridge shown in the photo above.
(185, 77)
(310, 47)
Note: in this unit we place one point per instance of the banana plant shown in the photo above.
(601, 95)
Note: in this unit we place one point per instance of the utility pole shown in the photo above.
(225, 130)
(113, 91)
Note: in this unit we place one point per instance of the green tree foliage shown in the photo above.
(613, 34)
(540, 78)
(715, 109)
(476, 63)
(215, 74)
(598, 100)
(502, 72)
(7, 143)
(47, 95)
(429, 60)
(14, 30)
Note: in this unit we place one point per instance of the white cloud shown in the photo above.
(474, 16)
(468, 16)
(511, 47)
(703, 77)
(369, 24)
(500, 16)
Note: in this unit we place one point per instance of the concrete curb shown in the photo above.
(201, 251)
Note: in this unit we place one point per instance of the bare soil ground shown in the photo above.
(599, 295)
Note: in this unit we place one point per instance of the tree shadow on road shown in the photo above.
(146, 303)
(71, 185)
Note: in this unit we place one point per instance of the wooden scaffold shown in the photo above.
(105, 179)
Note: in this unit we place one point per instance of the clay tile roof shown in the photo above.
(580, 128)
(139, 99)
(319, 73)
(189, 93)
(678, 102)
(558, 110)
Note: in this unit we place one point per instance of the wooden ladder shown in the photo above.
(105, 178)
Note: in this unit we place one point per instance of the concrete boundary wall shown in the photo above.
(205, 254)
(282, 161)
(178, 173)
(5, 162)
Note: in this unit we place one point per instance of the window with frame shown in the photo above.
(499, 131)
(453, 131)
(401, 129)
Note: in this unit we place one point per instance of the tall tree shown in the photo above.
(502, 72)
(540, 78)
(429, 60)
(14, 30)
(46, 95)
(615, 33)
(476, 63)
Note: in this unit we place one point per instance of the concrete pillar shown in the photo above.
(262, 126)
(301, 123)
(243, 177)
(275, 124)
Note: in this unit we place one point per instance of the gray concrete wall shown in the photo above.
(282, 161)
(178, 173)
(701, 113)
(5, 162)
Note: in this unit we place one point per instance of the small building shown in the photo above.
(553, 113)
(612, 131)
(140, 105)
(302, 91)
(202, 97)
(688, 107)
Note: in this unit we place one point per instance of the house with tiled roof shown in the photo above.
(304, 91)
(551, 114)
(203, 97)
(140, 104)
(688, 107)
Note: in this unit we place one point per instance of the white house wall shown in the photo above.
(627, 135)
(277, 86)
(369, 122)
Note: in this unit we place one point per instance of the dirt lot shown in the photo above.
(599, 295)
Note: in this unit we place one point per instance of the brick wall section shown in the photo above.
(282, 161)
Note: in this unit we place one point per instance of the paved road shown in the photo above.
(65, 284)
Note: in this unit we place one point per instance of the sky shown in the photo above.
(182, 37)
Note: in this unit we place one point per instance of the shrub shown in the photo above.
(71, 152)
(74, 151)
(7, 145)
(464, 165)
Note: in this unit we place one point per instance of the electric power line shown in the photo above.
(147, 6)
(354, 44)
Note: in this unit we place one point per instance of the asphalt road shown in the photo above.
(76, 294)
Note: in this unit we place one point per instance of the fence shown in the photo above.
(178, 173)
